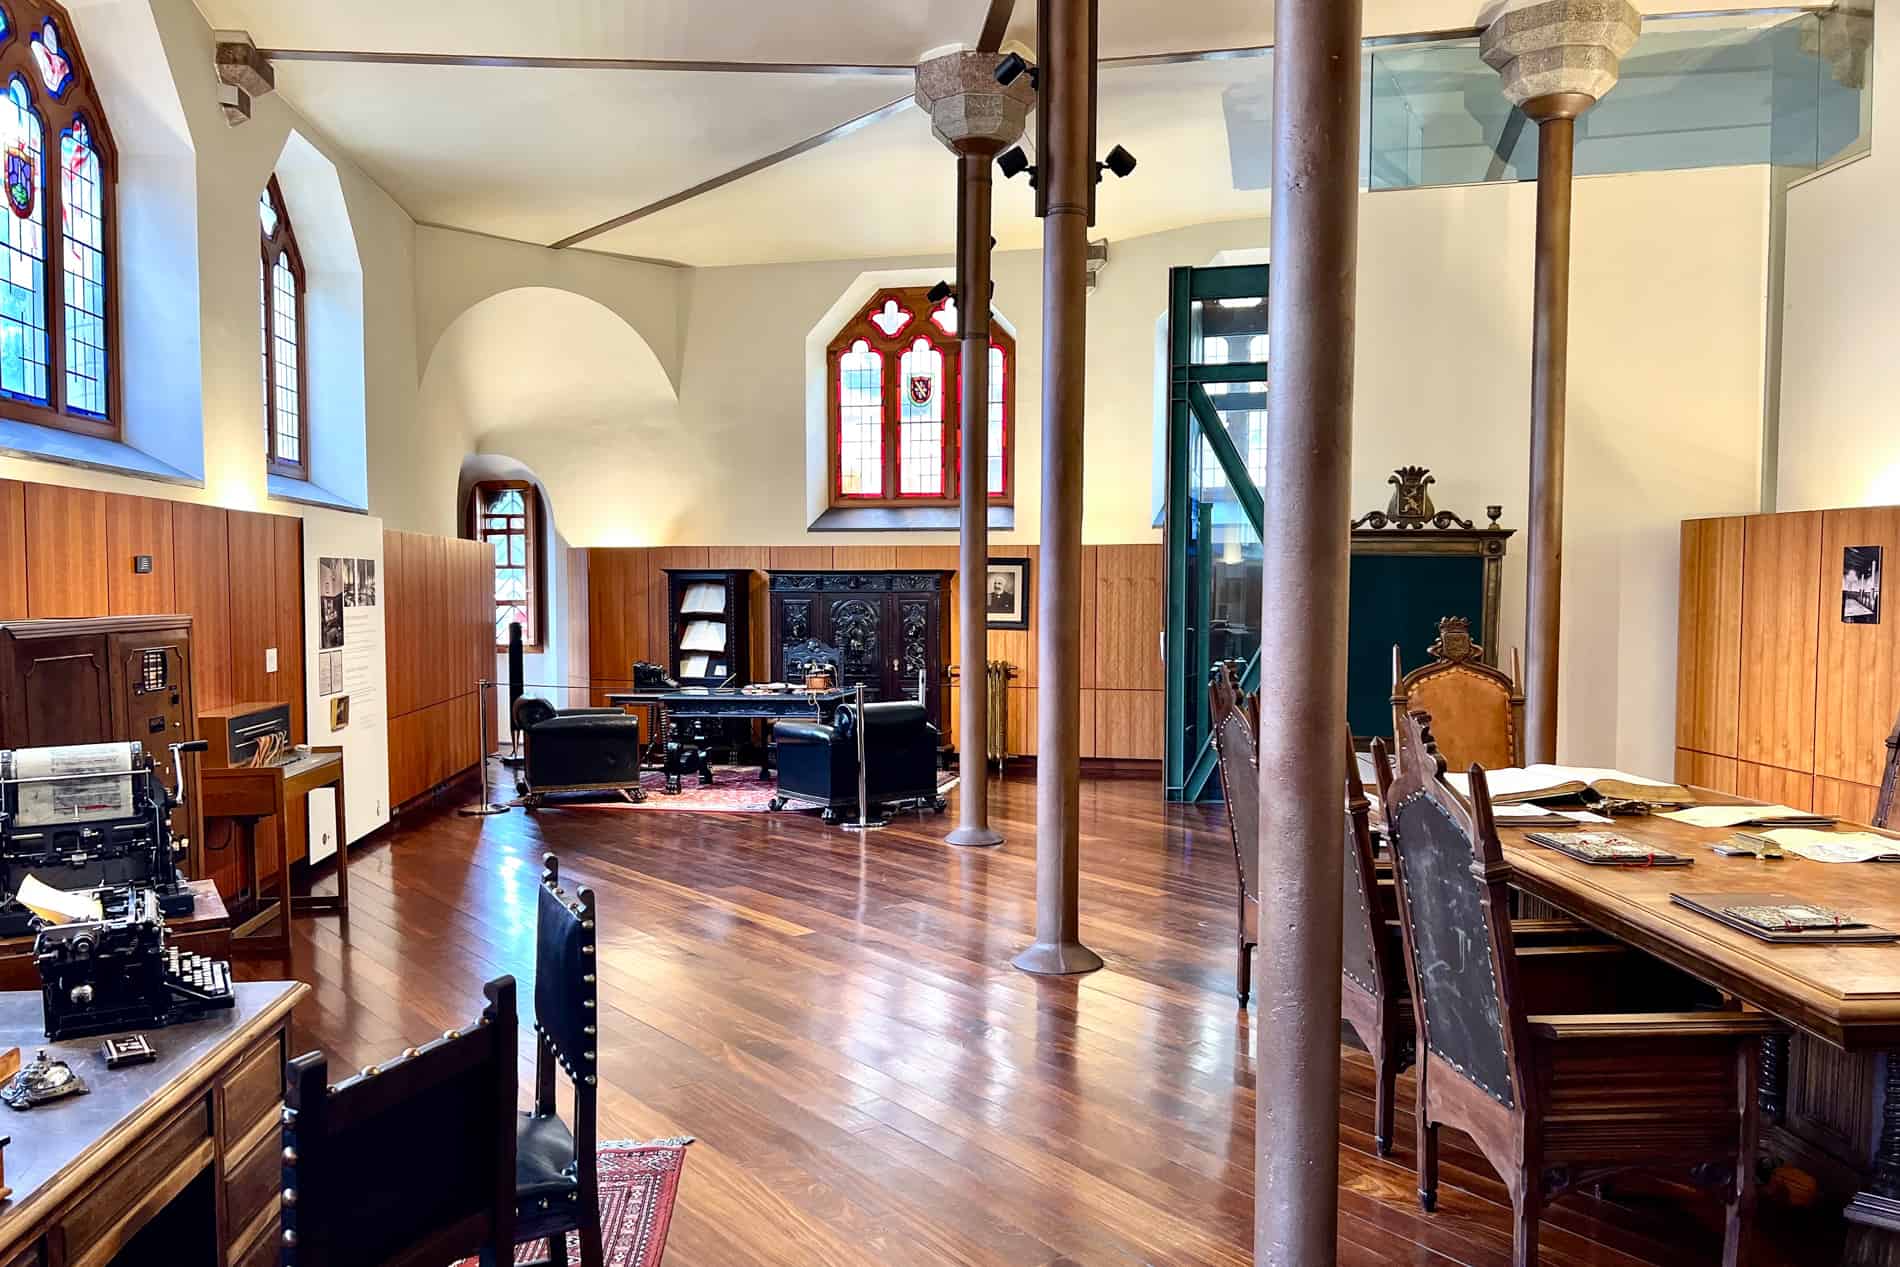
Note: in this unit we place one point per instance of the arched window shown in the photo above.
(895, 389)
(58, 360)
(280, 284)
(507, 515)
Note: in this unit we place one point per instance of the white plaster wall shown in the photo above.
(1840, 350)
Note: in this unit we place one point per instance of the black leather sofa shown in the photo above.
(576, 750)
(818, 763)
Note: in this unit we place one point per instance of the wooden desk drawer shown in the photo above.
(153, 1167)
(251, 1091)
(252, 1180)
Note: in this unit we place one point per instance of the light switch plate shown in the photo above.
(270, 659)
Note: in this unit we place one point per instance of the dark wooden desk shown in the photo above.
(1838, 1094)
(176, 1161)
(206, 931)
(247, 794)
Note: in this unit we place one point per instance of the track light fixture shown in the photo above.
(1013, 67)
(938, 293)
(1013, 162)
(1119, 161)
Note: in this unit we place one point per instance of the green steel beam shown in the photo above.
(1231, 463)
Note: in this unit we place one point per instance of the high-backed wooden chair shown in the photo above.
(1889, 781)
(557, 1188)
(408, 1164)
(1374, 996)
(1236, 717)
(1477, 711)
(1556, 1086)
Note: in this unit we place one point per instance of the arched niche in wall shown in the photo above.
(332, 333)
(559, 576)
(562, 384)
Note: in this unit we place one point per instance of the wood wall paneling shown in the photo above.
(1709, 635)
(1129, 724)
(139, 526)
(1129, 597)
(440, 621)
(12, 550)
(202, 588)
(1852, 802)
(864, 558)
(65, 551)
(1700, 769)
(801, 558)
(1858, 679)
(287, 551)
(1793, 788)
(253, 602)
(1780, 606)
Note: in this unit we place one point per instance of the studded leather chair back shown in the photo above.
(1452, 908)
(409, 1162)
(1477, 711)
(1363, 959)
(1239, 763)
(1889, 781)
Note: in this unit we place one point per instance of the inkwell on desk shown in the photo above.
(88, 866)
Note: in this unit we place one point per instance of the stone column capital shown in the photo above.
(1560, 54)
(969, 111)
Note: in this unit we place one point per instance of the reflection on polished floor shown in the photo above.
(836, 1021)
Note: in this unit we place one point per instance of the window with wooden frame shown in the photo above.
(507, 515)
(280, 291)
(59, 312)
(895, 387)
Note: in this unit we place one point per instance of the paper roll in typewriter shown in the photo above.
(85, 816)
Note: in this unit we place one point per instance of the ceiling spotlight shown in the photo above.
(938, 293)
(1013, 162)
(1119, 161)
(1012, 68)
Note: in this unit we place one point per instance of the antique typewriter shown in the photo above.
(121, 972)
(88, 816)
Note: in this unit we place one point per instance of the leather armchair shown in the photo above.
(576, 750)
(818, 763)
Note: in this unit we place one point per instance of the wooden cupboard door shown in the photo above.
(859, 626)
(1781, 584)
(62, 692)
(1709, 636)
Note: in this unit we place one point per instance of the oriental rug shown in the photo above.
(638, 1184)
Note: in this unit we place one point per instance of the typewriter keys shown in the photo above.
(41, 1081)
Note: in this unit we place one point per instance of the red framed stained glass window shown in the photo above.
(895, 388)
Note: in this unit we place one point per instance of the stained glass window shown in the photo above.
(56, 69)
(891, 318)
(506, 517)
(82, 207)
(897, 388)
(280, 282)
(23, 342)
(920, 433)
(58, 274)
(860, 422)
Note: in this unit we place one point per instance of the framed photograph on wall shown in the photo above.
(1860, 585)
(1006, 594)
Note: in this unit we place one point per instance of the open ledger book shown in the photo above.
(1539, 784)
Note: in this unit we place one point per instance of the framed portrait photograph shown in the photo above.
(1860, 585)
(1006, 594)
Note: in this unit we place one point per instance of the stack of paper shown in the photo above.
(1747, 816)
(1832, 846)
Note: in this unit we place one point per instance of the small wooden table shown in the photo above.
(93, 1172)
(247, 794)
(1846, 996)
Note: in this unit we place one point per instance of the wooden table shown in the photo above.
(247, 794)
(93, 1172)
(206, 931)
(1846, 997)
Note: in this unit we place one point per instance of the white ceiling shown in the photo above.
(538, 154)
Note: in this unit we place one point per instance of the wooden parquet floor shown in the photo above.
(872, 1085)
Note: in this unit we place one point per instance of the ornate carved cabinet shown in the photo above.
(881, 629)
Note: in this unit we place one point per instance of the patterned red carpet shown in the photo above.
(638, 1184)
